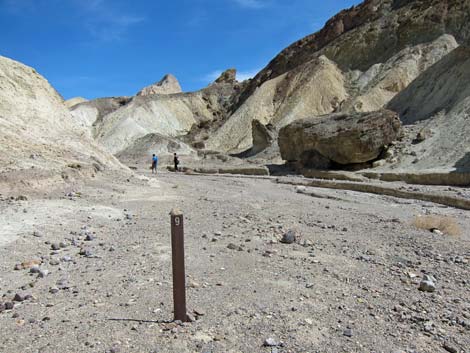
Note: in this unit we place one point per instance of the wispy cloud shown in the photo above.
(252, 4)
(245, 75)
(104, 21)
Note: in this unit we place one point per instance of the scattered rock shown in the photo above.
(289, 237)
(427, 284)
(348, 332)
(37, 234)
(19, 298)
(449, 348)
(271, 342)
(53, 290)
(43, 273)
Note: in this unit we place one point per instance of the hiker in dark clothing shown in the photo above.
(176, 161)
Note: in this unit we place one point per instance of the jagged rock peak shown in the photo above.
(167, 85)
(228, 76)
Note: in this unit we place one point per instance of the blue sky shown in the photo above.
(101, 48)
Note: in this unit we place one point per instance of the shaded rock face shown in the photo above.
(263, 136)
(167, 85)
(438, 101)
(339, 139)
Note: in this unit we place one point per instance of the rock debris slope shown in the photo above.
(439, 102)
(37, 133)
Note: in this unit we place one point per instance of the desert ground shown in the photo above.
(349, 283)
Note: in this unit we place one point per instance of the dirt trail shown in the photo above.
(349, 283)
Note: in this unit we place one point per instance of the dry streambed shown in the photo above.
(345, 277)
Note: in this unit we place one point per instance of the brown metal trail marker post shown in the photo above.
(179, 277)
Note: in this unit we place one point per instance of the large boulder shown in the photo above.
(167, 85)
(339, 139)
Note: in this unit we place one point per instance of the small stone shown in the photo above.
(85, 252)
(199, 312)
(55, 246)
(348, 332)
(449, 348)
(289, 237)
(66, 258)
(19, 298)
(89, 237)
(35, 269)
(43, 273)
(427, 284)
(193, 284)
(232, 246)
(9, 305)
(54, 262)
(2, 307)
(271, 342)
(37, 234)
(53, 290)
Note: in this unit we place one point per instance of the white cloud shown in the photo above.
(251, 4)
(245, 75)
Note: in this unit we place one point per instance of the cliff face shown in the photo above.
(37, 133)
(372, 32)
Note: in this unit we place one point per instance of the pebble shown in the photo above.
(35, 269)
(449, 348)
(289, 237)
(271, 342)
(348, 332)
(43, 273)
(427, 284)
(55, 246)
(193, 284)
(9, 305)
(19, 298)
(53, 290)
(54, 262)
(2, 307)
(37, 234)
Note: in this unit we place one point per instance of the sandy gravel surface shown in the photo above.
(348, 284)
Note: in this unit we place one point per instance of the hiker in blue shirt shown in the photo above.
(154, 164)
